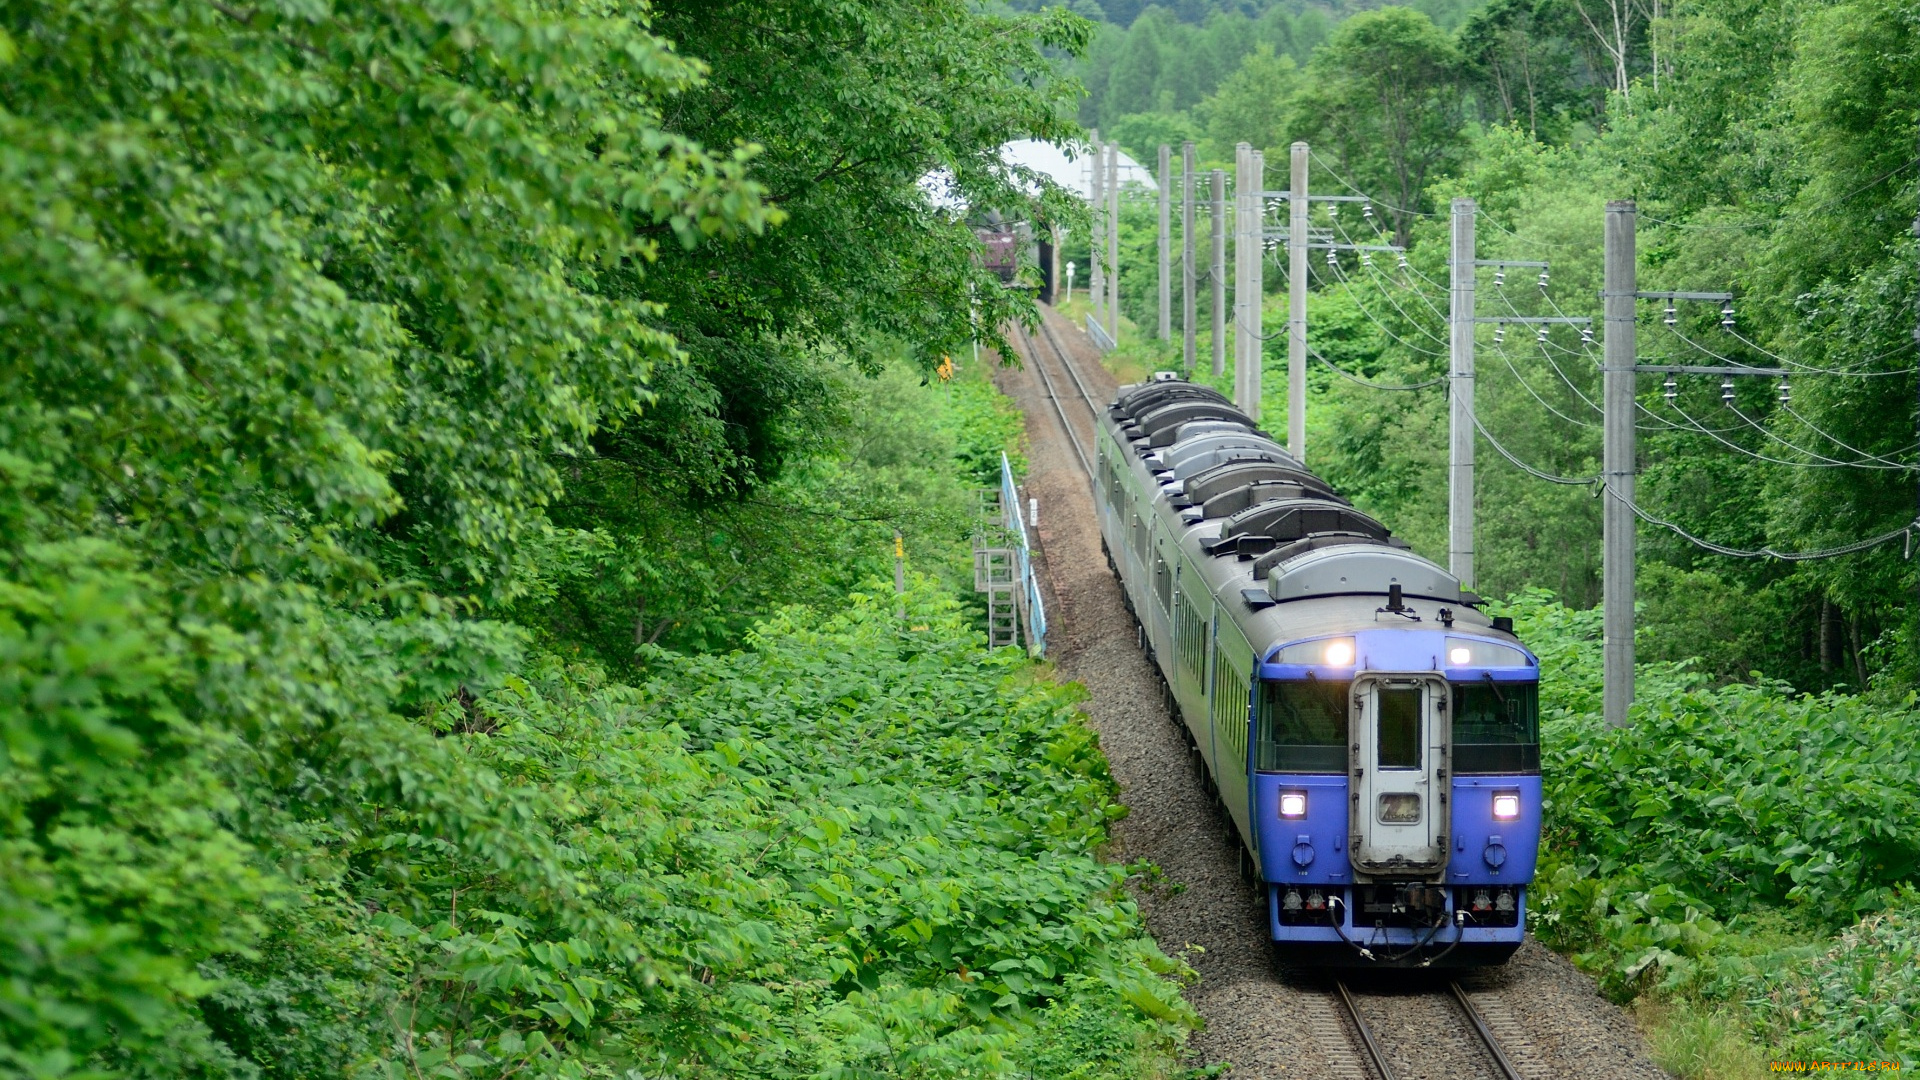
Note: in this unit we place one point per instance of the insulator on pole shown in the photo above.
(1499, 332)
(1586, 335)
(1543, 280)
(1499, 279)
(1672, 316)
(1786, 391)
(1726, 392)
(1333, 260)
(1672, 389)
(1366, 211)
(1366, 258)
(1402, 256)
(1726, 316)
(1540, 334)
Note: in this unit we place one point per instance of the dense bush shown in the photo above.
(1708, 848)
(861, 844)
(342, 346)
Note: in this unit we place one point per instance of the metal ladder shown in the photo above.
(996, 573)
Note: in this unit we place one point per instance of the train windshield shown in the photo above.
(1496, 727)
(1302, 727)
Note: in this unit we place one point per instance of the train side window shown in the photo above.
(1398, 741)
(1190, 635)
(1230, 696)
(1303, 727)
(1162, 583)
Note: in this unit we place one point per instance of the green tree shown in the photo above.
(1250, 104)
(1383, 100)
(317, 320)
(1525, 65)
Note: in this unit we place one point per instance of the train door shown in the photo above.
(1399, 771)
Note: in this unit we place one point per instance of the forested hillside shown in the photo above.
(1147, 61)
(418, 420)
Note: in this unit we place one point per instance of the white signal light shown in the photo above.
(1293, 804)
(1506, 806)
(1340, 653)
(1459, 657)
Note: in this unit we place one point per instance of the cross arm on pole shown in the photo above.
(1681, 369)
(1510, 262)
(1711, 297)
(1317, 198)
(1553, 320)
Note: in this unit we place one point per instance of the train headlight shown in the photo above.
(1293, 804)
(1506, 805)
(1317, 652)
(1474, 652)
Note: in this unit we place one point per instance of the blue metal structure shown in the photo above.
(1033, 606)
(1373, 737)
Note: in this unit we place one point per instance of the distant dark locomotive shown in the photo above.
(1374, 738)
(999, 250)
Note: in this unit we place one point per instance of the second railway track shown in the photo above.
(1037, 355)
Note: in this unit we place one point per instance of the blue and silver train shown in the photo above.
(1373, 737)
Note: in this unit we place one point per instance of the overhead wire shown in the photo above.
(1334, 222)
(1313, 273)
(1906, 530)
(1587, 352)
(1736, 447)
(1348, 184)
(1408, 286)
(1442, 289)
(1350, 377)
(1811, 370)
(1523, 466)
(1885, 463)
(1865, 453)
(1521, 379)
(1765, 552)
(1699, 541)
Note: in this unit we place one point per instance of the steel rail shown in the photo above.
(1374, 1053)
(1093, 407)
(1507, 1071)
(1066, 426)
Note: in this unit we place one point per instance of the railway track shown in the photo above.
(1376, 1057)
(1081, 446)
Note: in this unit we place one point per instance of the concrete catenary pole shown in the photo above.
(1298, 224)
(1242, 166)
(1189, 340)
(1218, 275)
(1113, 241)
(1166, 243)
(1256, 279)
(1460, 384)
(1243, 273)
(1097, 235)
(1618, 454)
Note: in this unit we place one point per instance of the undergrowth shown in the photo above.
(1743, 853)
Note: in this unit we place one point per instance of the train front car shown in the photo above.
(1372, 736)
(1397, 786)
